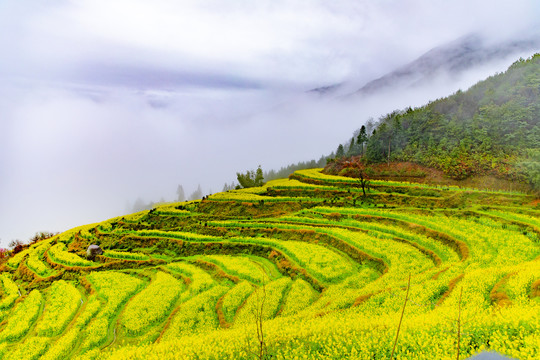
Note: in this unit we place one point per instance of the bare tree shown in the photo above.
(360, 173)
(401, 318)
(261, 348)
(459, 323)
(14, 243)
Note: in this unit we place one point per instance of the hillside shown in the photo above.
(324, 266)
(493, 128)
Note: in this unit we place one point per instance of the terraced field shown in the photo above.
(322, 269)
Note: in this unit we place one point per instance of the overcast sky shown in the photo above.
(102, 102)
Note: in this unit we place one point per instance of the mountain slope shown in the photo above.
(452, 60)
(318, 266)
(492, 128)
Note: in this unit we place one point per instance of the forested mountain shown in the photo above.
(493, 127)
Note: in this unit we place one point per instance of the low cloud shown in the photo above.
(102, 103)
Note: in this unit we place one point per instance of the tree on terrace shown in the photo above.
(360, 173)
(251, 178)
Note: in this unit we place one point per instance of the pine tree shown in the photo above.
(197, 194)
(139, 205)
(340, 152)
(259, 177)
(362, 138)
(251, 178)
(180, 193)
(352, 148)
(227, 187)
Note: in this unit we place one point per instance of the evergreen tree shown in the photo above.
(259, 177)
(251, 178)
(362, 138)
(352, 148)
(180, 193)
(340, 152)
(287, 170)
(227, 187)
(139, 205)
(531, 168)
(197, 194)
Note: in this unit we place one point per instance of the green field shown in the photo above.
(320, 268)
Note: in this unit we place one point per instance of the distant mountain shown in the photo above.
(453, 59)
(330, 89)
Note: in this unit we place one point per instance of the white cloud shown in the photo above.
(104, 101)
(264, 40)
